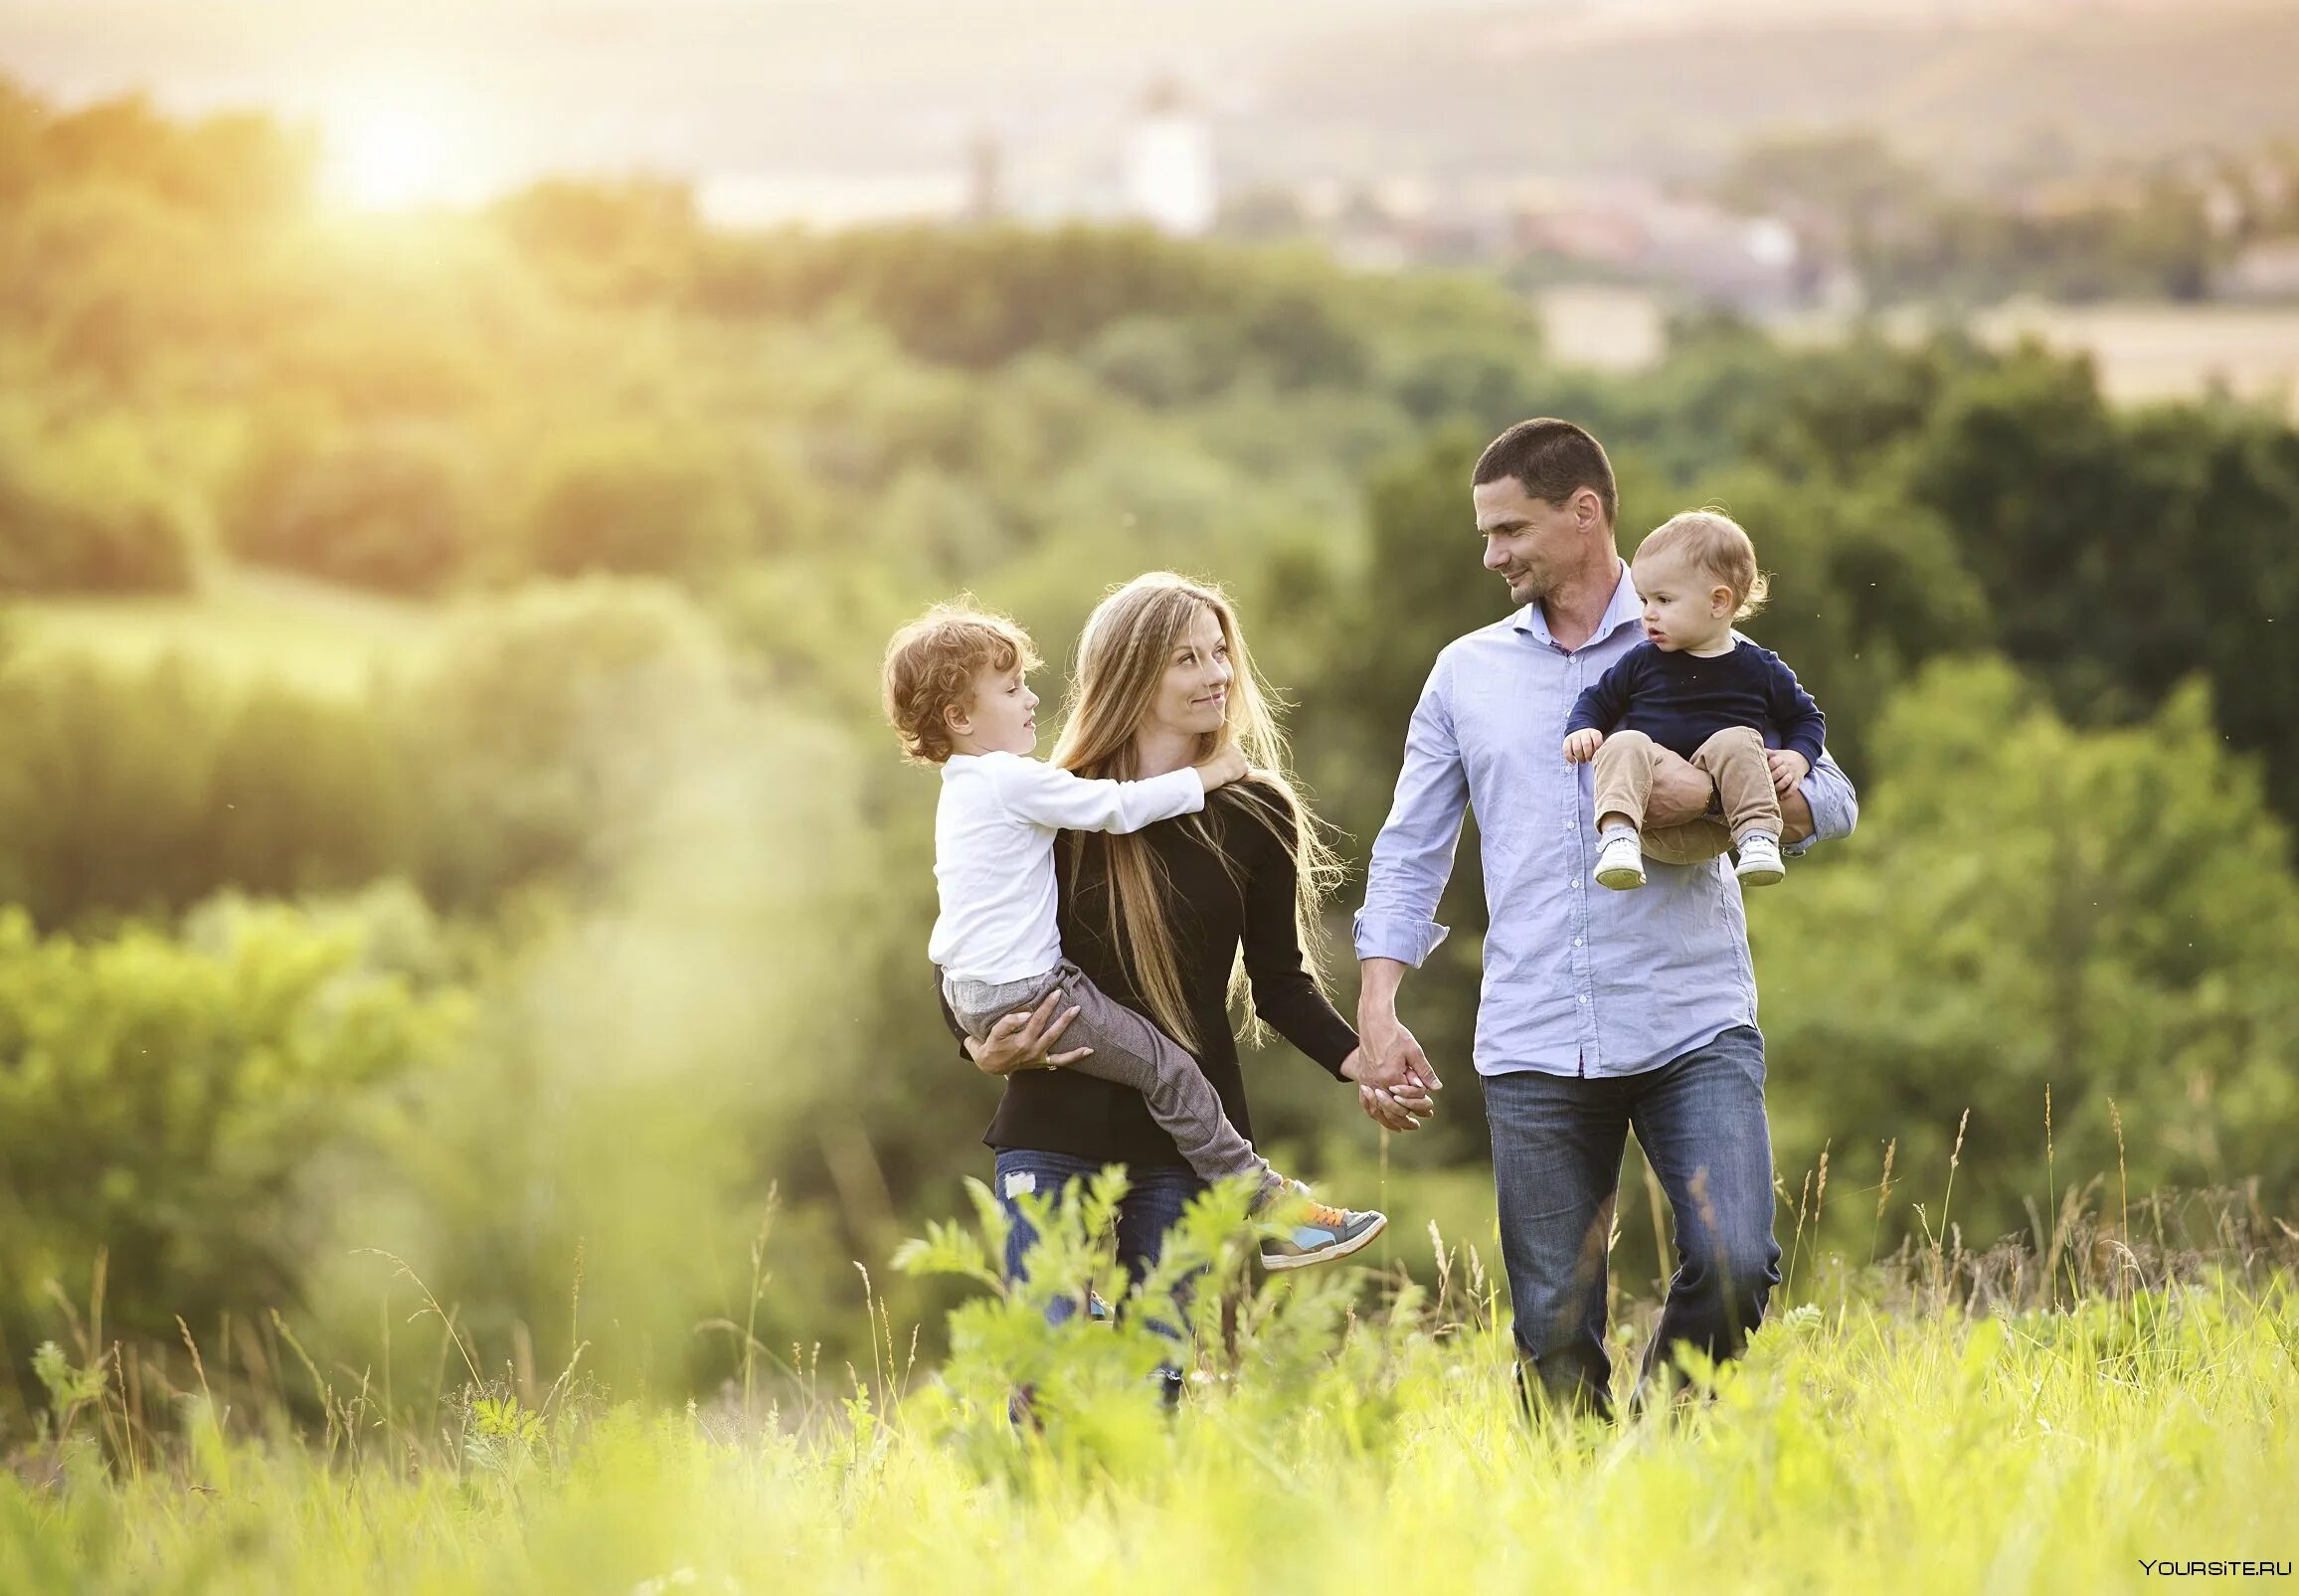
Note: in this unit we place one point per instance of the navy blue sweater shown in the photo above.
(1681, 700)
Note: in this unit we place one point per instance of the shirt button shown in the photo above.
(1576, 942)
(1584, 998)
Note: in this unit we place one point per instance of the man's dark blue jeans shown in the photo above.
(1153, 1205)
(1557, 1142)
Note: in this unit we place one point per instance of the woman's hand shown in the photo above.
(1022, 1040)
(1385, 1111)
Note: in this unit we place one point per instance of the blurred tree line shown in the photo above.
(550, 953)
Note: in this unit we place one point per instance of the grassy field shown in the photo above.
(1352, 1433)
(246, 625)
(2145, 353)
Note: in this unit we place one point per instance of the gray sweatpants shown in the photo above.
(1127, 1049)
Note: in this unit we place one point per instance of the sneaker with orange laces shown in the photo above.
(1318, 1233)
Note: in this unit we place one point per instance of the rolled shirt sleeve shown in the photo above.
(1835, 805)
(1413, 856)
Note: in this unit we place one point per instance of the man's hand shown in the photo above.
(1796, 822)
(1226, 766)
(1582, 745)
(1022, 1039)
(1680, 791)
(1389, 1056)
(1402, 1107)
(1788, 767)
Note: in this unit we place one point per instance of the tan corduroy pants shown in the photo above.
(1733, 758)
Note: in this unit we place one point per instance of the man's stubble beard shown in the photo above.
(1538, 587)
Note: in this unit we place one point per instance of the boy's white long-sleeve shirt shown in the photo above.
(993, 854)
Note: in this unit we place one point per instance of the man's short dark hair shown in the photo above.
(1553, 460)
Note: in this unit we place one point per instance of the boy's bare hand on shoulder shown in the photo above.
(1227, 766)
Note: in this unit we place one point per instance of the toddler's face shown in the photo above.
(1684, 607)
(1003, 715)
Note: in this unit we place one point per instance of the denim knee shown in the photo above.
(1734, 1282)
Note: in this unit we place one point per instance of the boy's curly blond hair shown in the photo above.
(931, 665)
(1715, 544)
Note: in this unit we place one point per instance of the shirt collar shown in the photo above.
(1624, 609)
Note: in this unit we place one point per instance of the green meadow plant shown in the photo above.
(1346, 1431)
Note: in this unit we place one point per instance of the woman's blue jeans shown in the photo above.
(1153, 1200)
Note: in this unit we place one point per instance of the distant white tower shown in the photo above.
(1169, 180)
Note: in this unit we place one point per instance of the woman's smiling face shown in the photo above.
(1193, 695)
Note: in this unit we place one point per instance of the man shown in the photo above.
(1600, 1012)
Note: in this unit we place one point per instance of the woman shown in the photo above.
(1159, 919)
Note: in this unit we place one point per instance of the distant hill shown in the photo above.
(1662, 93)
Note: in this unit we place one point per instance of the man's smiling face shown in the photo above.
(1529, 542)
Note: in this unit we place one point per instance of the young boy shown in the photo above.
(955, 691)
(1694, 687)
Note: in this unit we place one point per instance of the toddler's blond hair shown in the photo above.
(1715, 544)
(931, 665)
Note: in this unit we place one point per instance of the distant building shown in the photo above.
(1633, 232)
(1169, 165)
(2268, 269)
(985, 179)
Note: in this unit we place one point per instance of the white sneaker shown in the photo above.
(1761, 865)
(1621, 862)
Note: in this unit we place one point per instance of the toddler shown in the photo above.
(1697, 687)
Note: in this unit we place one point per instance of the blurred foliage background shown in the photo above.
(443, 807)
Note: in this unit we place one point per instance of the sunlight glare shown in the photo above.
(390, 156)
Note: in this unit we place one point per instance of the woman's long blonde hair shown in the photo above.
(1121, 661)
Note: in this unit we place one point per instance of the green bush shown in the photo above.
(633, 502)
(392, 509)
(2109, 914)
(539, 736)
(83, 515)
(159, 1099)
(146, 791)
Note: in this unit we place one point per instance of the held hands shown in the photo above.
(1394, 1077)
(1582, 745)
(1226, 766)
(1023, 1040)
(1788, 767)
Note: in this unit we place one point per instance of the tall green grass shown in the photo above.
(1939, 1422)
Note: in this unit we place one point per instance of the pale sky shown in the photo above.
(459, 98)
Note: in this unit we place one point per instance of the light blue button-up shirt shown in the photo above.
(1578, 979)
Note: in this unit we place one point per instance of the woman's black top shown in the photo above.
(1210, 909)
